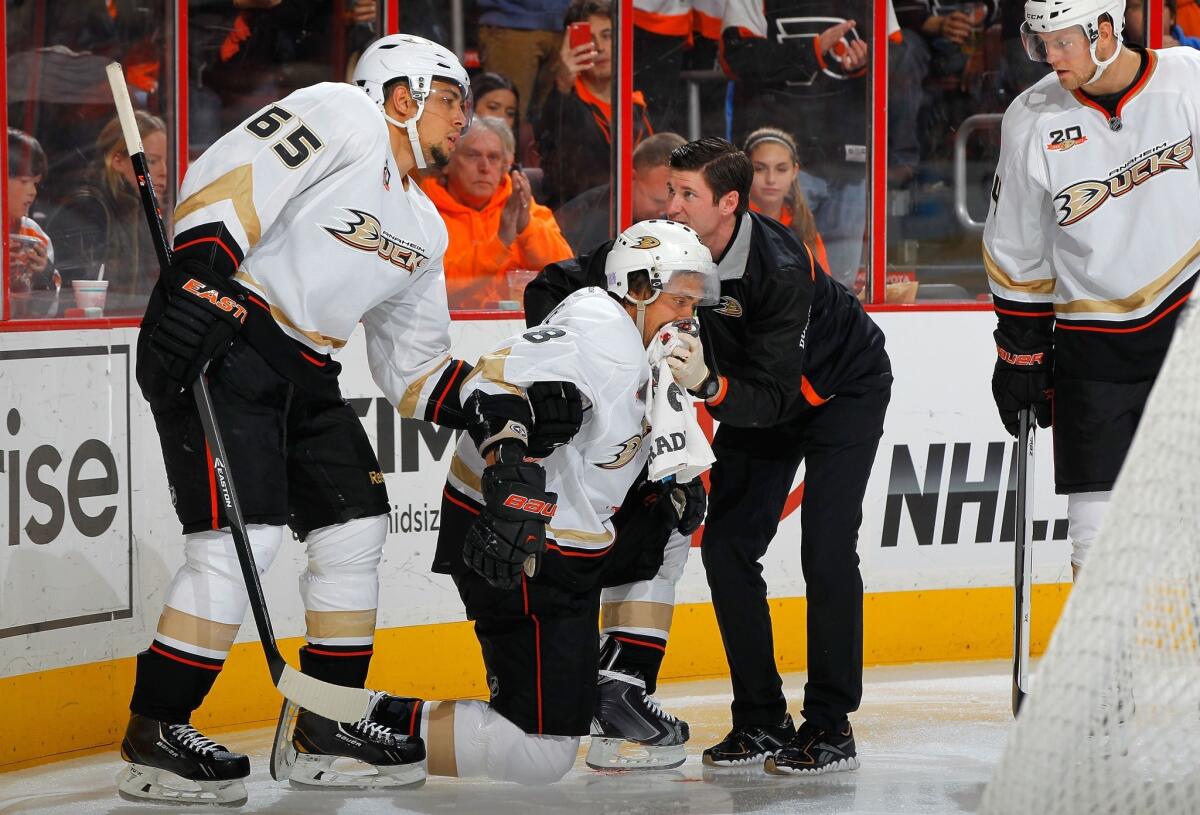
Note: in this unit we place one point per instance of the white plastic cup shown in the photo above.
(90, 294)
(518, 279)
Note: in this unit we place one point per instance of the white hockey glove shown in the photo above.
(687, 362)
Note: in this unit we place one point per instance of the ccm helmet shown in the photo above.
(1083, 16)
(416, 60)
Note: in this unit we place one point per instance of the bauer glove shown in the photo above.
(1022, 379)
(509, 536)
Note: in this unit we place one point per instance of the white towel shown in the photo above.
(677, 444)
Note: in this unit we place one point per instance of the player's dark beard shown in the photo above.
(439, 156)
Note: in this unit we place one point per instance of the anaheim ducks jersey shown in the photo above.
(588, 340)
(1094, 228)
(303, 205)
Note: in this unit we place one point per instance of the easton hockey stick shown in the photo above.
(335, 702)
(1023, 558)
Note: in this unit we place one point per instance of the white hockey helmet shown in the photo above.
(670, 254)
(1082, 16)
(418, 61)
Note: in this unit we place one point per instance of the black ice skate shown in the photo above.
(630, 731)
(814, 751)
(387, 758)
(175, 764)
(750, 745)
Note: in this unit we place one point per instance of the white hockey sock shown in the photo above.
(469, 739)
(1085, 514)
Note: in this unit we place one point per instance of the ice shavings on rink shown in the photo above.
(928, 736)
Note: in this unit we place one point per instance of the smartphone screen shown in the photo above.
(579, 34)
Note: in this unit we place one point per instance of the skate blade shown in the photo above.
(283, 753)
(142, 784)
(843, 765)
(620, 754)
(317, 772)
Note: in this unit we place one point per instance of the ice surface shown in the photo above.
(928, 737)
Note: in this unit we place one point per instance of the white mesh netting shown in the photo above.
(1112, 722)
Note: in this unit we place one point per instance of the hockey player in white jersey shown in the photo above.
(529, 533)
(1091, 240)
(292, 228)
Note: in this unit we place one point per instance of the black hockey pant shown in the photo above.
(751, 481)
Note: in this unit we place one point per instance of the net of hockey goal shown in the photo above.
(1112, 722)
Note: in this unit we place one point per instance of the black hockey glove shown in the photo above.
(197, 324)
(509, 536)
(557, 414)
(644, 524)
(1022, 379)
(690, 502)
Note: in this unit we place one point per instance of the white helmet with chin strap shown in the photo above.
(1046, 16)
(672, 257)
(416, 60)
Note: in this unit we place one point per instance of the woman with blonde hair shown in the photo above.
(776, 191)
(101, 223)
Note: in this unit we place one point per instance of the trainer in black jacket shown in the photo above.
(798, 372)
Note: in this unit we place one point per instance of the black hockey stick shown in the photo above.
(1023, 558)
(335, 702)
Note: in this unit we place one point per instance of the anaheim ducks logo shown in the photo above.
(363, 232)
(629, 449)
(647, 242)
(1080, 200)
(1065, 144)
(729, 307)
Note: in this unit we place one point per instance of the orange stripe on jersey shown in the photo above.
(809, 393)
(668, 25)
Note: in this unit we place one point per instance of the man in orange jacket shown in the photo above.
(495, 225)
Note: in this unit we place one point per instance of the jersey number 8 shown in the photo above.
(293, 149)
(544, 334)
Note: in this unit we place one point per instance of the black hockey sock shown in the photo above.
(400, 713)
(340, 664)
(634, 653)
(170, 683)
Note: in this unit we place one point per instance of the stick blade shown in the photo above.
(334, 702)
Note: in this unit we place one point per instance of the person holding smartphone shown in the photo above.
(801, 66)
(574, 133)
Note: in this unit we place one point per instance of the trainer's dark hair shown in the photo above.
(724, 167)
(25, 155)
(580, 10)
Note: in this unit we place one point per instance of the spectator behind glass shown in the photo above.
(575, 130)
(30, 252)
(497, 97)
(273, 47)
(1173, 34)
(495, 225)
(101, 222)
(776, 190)
(795, 73)
(585, 219)
(519, 39)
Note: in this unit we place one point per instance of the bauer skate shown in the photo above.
(630, 730)
(176, 764)
(313, 752)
